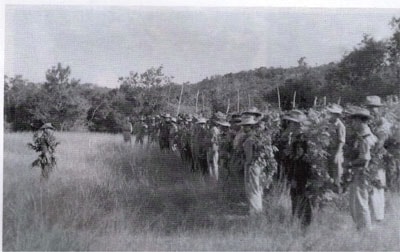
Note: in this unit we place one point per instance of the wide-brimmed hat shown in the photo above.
(295, 116)
(354, 111)
(47, 126)
(201, 120)
(334, 108)
(252, 111)
(220, 119)
(235, 118)
(219, 115)
(248, 119)
(223, 123)
(373, 101)
(167, 115)
(189, 117)
(173, 119)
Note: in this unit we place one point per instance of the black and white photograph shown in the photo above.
(200, 128)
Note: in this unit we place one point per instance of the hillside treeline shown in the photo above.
(371, 68)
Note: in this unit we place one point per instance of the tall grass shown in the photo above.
(107, 195)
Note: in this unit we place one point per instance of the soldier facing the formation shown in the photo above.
(45, 143)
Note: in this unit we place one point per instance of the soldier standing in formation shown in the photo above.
(140, 130)
(335, 150)
(239, 147)
(127, 130)
(380, 127)
(173, 135)
(165, 126)
(298, 170)
(252, 170)
(213, 157)
(201, 145)
(363, 142)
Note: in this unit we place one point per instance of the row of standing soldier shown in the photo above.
(243, 148)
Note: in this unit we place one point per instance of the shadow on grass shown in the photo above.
(157, 192)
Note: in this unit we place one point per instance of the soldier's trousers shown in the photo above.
(212, 161)
(253, 188)
(336, 170)
(359, 202)
(377, 198)
(301, 206)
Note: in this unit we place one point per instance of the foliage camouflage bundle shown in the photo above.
(46, 144)
(391, 158)
(264, 152)
(318, 134)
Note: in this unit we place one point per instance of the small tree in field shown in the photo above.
(144, 91)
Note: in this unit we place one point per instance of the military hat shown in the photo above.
(248, 119)
(252, 111)
(223, 123)
(334, 108)
(220, 119)
(295, 116)
(373, 101)
(355, 111)
(235, 118)
(47, 126)
(201, 120)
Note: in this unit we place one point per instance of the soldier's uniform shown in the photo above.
(252, 168)
(165, 128)
(45, 143)
(153, 130)
(298, 170)
(127, 130)
(359, 162)
(336, 157)
(213, 154)
(381, 128)
(185, 139)
(201, 144)
(174, 140)
(140, 130)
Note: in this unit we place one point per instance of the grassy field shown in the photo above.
(106, 195)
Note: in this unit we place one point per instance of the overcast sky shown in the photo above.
(102, 43)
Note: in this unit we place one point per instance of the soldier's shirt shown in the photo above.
(381, 127)
(214, 137)
(340, 131)
(238, 139)
(363, 144)
(248, 147)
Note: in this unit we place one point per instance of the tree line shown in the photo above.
(370, 68)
